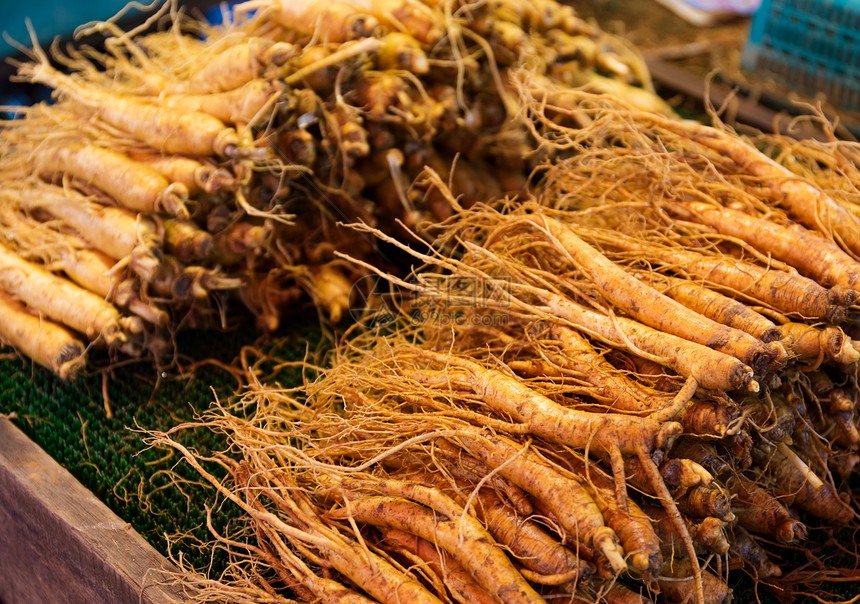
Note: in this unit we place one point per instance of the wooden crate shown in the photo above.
(60, 544)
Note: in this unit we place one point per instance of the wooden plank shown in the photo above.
(60, 544)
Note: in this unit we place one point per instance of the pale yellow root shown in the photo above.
(60, 299)
(133, 185)
(231, 66)
(195, 175)
(240, 107)
(45, 342)
(166, 130)
(115, 231)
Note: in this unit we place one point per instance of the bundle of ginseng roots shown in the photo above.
(637, 383)
(187, 171)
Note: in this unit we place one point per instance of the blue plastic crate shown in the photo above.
(55, 18)
(811, 45)
(50, 19)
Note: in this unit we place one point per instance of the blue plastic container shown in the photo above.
(811, 45)
(51, 19)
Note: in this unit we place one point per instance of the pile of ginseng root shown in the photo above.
(187, 174)
(638, 382)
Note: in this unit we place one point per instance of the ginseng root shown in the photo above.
(133, 185)
(62, 300)
(651, 308)
(463, 538)
(47, 343)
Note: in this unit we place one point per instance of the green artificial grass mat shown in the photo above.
(108, 454)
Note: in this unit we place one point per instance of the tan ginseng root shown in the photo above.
(679, 474)
(796, 483)
(754, 506)
(627, 395)
(117, 232)
(709, 534)
(178, 282)
(745, 547)
(716, 417)
(331, 21)
(47, 343)
(188, 242)
(693, 489)
(299, 525)
(239, 241)
(676, 578)
(676, 582)
(706, 367)
(647, 305)
(805, 201)
(810, 253)
(549, 562)
(837, 409)
(818, 344)
(808, 203)
(709, 368)
(459, 583)
(831, 163)
(572, 506)
(758, 511)
(574, 353)
(508, 516)
(704, 501)
(788, 293)
(571, 355)
(329, 286)
(241, 107)
(133, 185)
(620, 594)
(63, 301)
(91, 269)
(424, 21)
(630, 523)
(772, 416)
(506, 395)
(465, 540)
(416, 509)
(713, 305)
(400, 50)
(704, 453)
(229, 63)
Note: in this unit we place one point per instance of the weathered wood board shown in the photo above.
(60, 544)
